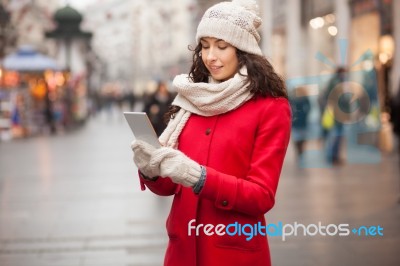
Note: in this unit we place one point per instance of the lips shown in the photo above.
(214, 68)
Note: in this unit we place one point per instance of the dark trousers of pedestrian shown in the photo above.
(333, 144)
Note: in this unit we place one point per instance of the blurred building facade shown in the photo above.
(30, 20)
(312, 37)
(141, 40)
(136, 39)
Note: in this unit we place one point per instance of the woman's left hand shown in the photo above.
(176, 165)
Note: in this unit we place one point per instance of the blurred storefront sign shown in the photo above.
(9, 79)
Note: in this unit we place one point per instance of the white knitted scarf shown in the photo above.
(205, 99)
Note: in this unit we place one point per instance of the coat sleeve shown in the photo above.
(161, 187)
(255, 194)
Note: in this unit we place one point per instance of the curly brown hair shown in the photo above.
(262, 78)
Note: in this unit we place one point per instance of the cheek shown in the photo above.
(233, 63)
(233, 67)
(204, 58)
(231, 58)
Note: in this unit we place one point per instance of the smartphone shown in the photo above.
(142, 128)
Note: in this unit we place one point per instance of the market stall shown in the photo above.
(32, 85)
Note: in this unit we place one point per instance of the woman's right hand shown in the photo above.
(142, 152)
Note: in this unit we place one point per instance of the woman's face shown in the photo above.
(219, 57)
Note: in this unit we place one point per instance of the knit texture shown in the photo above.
(235, 22)
(175, 165)
(142, 152)
(205, 99)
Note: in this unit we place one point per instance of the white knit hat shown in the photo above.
(235, 22)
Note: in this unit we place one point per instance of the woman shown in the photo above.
(224, 146)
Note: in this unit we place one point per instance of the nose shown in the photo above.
(211, 55)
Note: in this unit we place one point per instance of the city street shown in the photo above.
(74, 199)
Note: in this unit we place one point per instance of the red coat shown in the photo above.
(243, 151)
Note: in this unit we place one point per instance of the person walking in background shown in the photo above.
(224, 146)
(49, 114)
(130, 99)
(332, 123)
(301, 107)
(395, 116)
(156, 106)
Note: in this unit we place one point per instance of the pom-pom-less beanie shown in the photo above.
(235, 22)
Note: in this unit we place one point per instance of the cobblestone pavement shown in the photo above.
(74, 199)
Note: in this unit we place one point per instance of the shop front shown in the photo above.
(37, 97)
(371, 52)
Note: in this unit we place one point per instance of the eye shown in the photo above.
(222, 45)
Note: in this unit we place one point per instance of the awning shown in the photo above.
(27, 59)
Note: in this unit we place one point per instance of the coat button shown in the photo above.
(224, 203)
(208, 131)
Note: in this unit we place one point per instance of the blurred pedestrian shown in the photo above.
(223, 148)
(49, 113)
(301, 107)
(335, 101)
(130, 99)
(395, 116)
(156, 106)
(18, 117)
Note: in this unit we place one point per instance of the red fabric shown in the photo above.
(243, 151)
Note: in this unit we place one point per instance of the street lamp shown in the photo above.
(4, 20)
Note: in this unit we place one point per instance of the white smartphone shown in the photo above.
(142, 128)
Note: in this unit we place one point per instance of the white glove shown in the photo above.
(176, 165)
(142, 152)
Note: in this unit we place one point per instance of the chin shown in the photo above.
(219, 78)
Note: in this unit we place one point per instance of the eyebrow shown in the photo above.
(218, 40)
